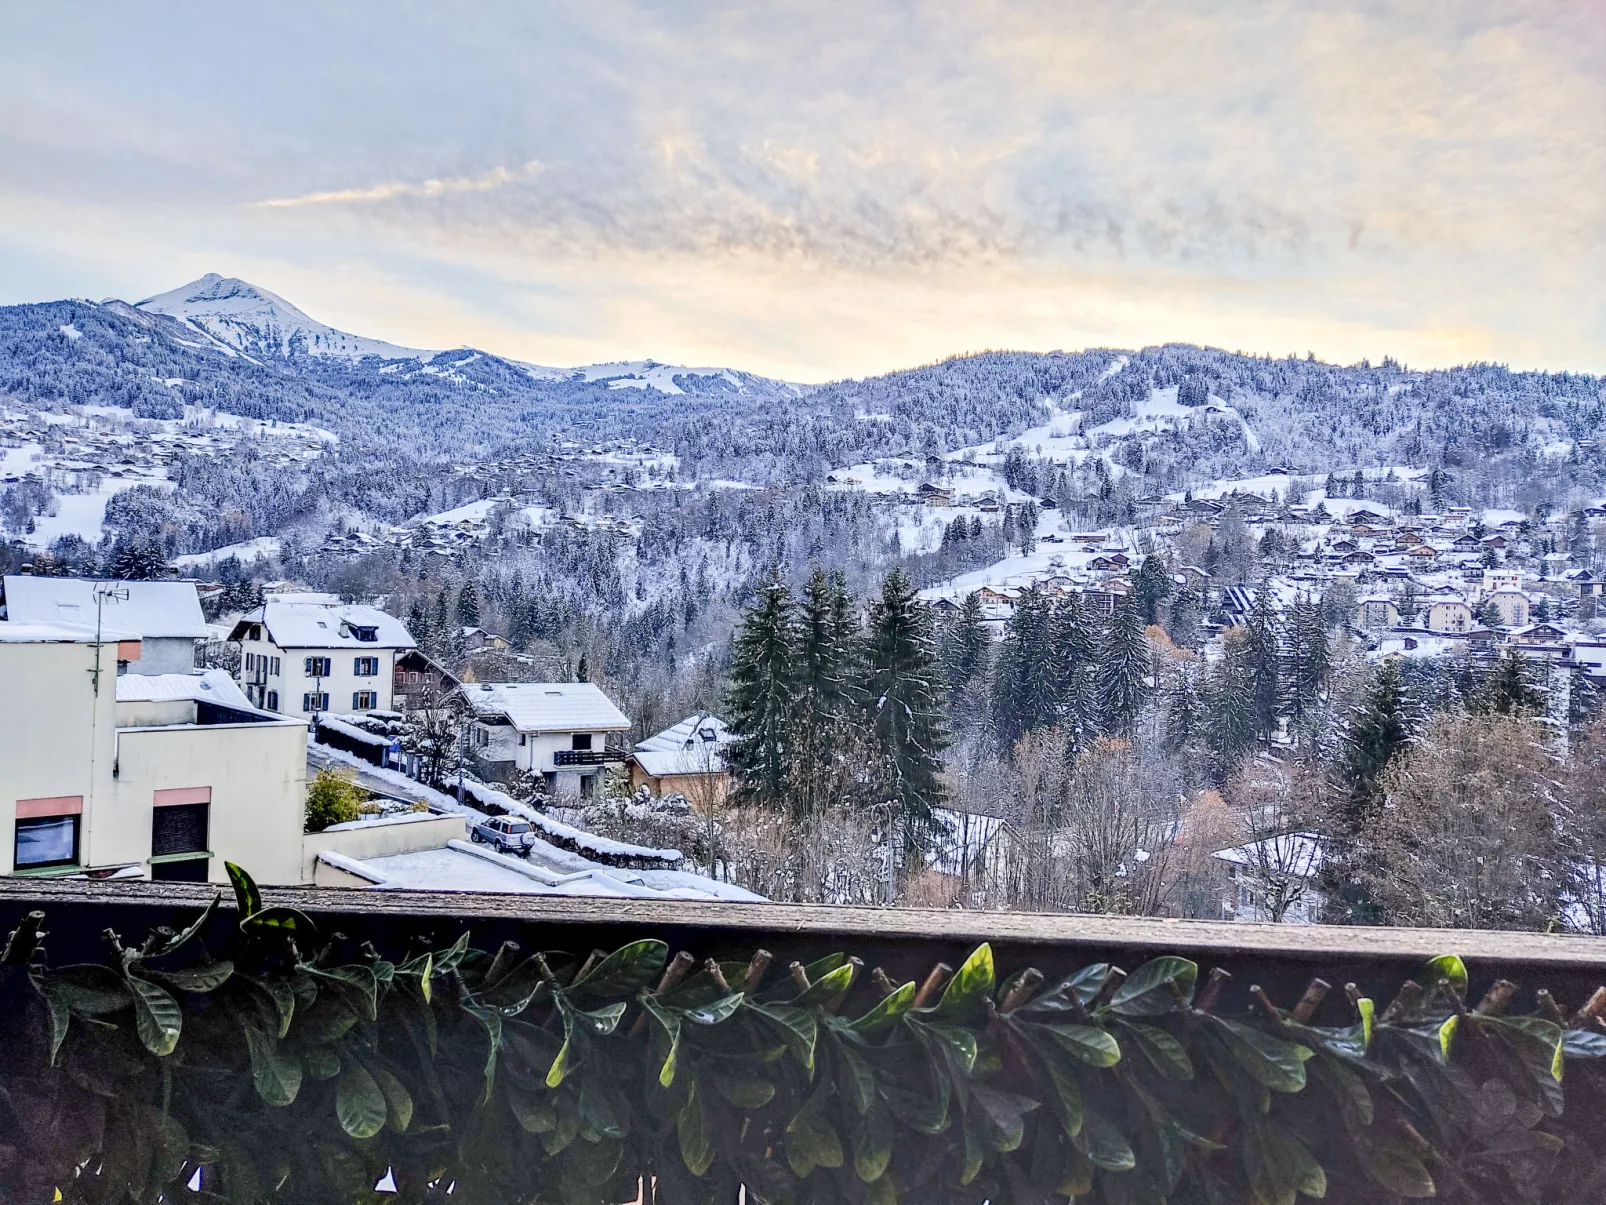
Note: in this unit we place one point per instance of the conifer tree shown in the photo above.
(1123, 667)
(1073, 653)
(1024, 694)
(905, 710)
(1308, 659)
(1183, 721)
(1509, 688)
(1377, 732)
(1182, 620)
(468, 605)
(1265, 663)
(1151, 586)
(1231, 723)
(823, 728)
(762, 696)
(965, 642)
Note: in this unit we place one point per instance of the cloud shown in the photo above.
(497, 177)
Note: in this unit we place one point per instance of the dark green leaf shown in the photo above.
(1277, 1064)
(691, 1128)
(745, 1093)
(626, 971)
(531, 1110)
(184, 937)
(715, 1013)
(891, 1007)
(359, 1103)
(668, 1024)
(322, 1063)
(855, 1081)
(1005, 1113)
(1074, 994)
(196, 979)
(1167, 1055)
(811, 1140)
(398, 1101)
(1396, 1167)
(89, 989)
(1156, 987)
(357, 983)
(156, 1014)
(796, 1026)
(277, 1076)
(1105, 1145)
(279, 995)
(246, 896)
(972, 983)
(60, 1020)
(1279, 1167)
(872, 1145)
(1085, 1043)
(822, 989)
(602, 1021)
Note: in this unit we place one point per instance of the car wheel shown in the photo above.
(475, 836)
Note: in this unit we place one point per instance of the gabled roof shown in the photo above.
(691, 747)
(546, 706)
(306, 625)
(154, 610)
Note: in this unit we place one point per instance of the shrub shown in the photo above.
(333, 798)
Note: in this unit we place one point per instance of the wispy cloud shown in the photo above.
(497, 177)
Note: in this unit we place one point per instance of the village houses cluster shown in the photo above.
(125, 758)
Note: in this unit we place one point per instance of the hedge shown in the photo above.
(292, 1068)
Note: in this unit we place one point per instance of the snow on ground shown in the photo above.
(247, 551)
(71, 331)
(471, 512)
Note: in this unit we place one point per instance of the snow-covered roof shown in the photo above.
(213, 686)
(546, 706)
(303, 625)
(57, 633)
(690, 747)
(152, 609)
(1293, 853)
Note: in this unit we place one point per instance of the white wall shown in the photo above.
(379, 839)
(257, 774)
(165, 655)
(293, 683)
(55, 733)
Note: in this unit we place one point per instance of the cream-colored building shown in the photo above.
(304, 657)
(164, 776)
(1447, 615)
(1513, 606)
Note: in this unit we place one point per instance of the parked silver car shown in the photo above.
(507, 834)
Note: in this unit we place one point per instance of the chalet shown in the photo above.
(1423, 553)
(935, 495)
(945, 607)
(165, 616)
(687, 759)
(1467, 543)
(558, 730)
(996, 597)
(1357, 558)
(475, 639)
(303, 657)
(419, 682)
(1589, 584)
(1539, 633)
(1496, 541)
(1445, 613)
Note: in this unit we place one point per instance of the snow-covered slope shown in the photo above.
(259, 323)
(241, 318)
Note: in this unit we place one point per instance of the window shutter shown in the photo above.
(179, 830)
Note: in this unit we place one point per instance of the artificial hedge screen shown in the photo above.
(290, 1069)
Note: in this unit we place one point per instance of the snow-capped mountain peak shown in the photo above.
(256, 322)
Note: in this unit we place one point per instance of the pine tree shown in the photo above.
(1024, 680)
(1183, 721)
(1307, 660)
(1182, 620)
(761, 698)
(823, 735)
(1377, 732)
(1509, 688)
(582, 672)
(1230, 722)
(965, 642)
(1073, 657)
(1264, 655)
(1151, 586)
(905, 710)
(1123, 667)
(468, 605)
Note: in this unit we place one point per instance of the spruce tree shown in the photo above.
(1024, 680)
(1376, 734)
(761, 698)
(1182, 619)
(966, 642)
(1073, 653)
(1151, 586)
(1509, 688)
(905, 710)
(822, 725)
(1308, 659)
(1123, 668)
(468, 605)
(1183, 720)
(1264, 655)
(1230, 721)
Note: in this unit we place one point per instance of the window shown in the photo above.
(317, 667)
(363, 700)
(46, 841)
(274, 670)
(180, 829)
(273, 700)
(582, 740)
(365, 667)
(368, 635)
(314, 702)
(250, 662)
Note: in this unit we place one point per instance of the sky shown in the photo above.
(817, 189)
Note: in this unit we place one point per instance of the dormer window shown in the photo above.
(363, 633)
